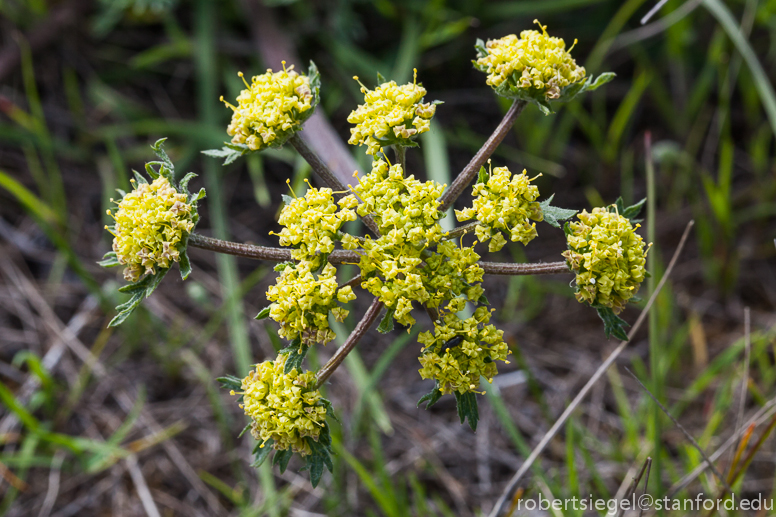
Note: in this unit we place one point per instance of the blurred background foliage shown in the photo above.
(131, 421)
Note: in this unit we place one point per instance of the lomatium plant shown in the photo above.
(409, 266)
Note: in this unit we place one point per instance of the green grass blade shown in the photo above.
(764, 87)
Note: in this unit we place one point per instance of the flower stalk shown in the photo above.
(366, 322)
(472, 168)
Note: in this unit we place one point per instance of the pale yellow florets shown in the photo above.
(312, 222)
(271, 109)
(504, 203)
(405, 210)
(535, 61)
(285, 408)
(608, 257)
(151, 223)
(390, 114)
(303, 300)
(459, 351)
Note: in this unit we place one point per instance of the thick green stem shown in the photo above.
(401, 156)
(470, 171)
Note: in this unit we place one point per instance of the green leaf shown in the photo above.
(109, 260)
(315, 86)
(287, 200)
(159, 151)
(482, 176)
(281, 266)
(139, 177)
(613, 324)
(386, 325)
(230, 382)
(380, 78)
(264, 313)
(281, 459)
(139, 290)
(553, 215)
(227, 153)
(262, 453)
(482, 300)
(467, 408)
(432, 397)
(294, 345)
(628, 212)
(567, 229)
(183, 185)
(184, 264)
(295, 357)
(481, 49)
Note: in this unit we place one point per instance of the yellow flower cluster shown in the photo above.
(405, 211)
(391, 115)
(504, 203)
(399, 203)
(452, 271)
(459, 351)
(535, 61)
(311, 224)
(271, 109)
(302, 302)
(285, 408)
(151, 223)
(608, 257)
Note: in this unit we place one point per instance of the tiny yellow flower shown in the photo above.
(535, 62)
(302, 302)
(504, 204)
(608, 257)
(391, 115)
(272, 108)
(312, 222)
(285, 408)
(459, 351)
(151, 226)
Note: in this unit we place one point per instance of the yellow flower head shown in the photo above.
(405, 211)
(302, 302)
(391, 115)
(285, 408)
(311, 224)
(273, 107)
(151, 226)
(459, 351)
(504, 203)
(535, 63)
(608, 257)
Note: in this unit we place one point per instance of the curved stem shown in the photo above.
(253, 251)
(328, 177)
(369, 318)
(461, 230)
(470, 171)
(530, 268)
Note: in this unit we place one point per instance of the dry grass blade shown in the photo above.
(586, 389)
(53, 487)
(684, 432)
(142, 487)
(745, 380)
(761, 416)
(636, 479)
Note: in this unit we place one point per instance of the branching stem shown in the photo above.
(470, 171)
(255, 252)
(328, 177)
(366, 322)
